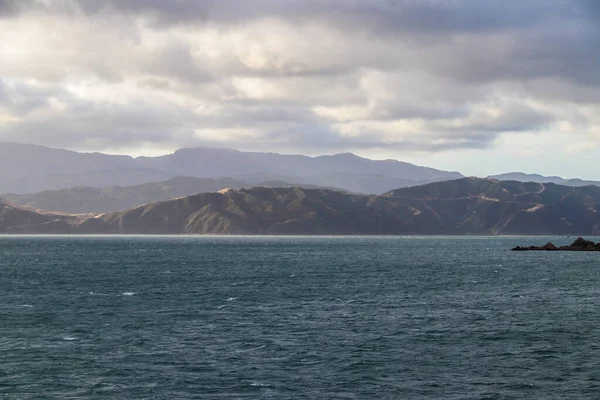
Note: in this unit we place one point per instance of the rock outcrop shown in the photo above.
(580, 244)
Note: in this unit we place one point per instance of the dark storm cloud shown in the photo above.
(385, 15)
(416, 16)
(549, 37)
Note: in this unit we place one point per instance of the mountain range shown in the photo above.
(521, 177)
(464, 206)
(28, 169)
(86, 199)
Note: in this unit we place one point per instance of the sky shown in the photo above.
(477, 86)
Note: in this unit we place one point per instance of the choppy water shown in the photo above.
(296, 318)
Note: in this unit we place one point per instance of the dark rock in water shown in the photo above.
(579, 244)
(547, 247)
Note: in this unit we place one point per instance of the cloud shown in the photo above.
(299, 76)
(7, 8)
(424, 16)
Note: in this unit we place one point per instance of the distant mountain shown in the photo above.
(31, 169)
(521, 177)
(347, 171)
(85, 199)
(28, 168)
(363, 183)
(465, 206)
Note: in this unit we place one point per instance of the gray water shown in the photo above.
(296, 318)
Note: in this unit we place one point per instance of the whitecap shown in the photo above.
(257, 348)
(128, 293)
(232, 298)
(69, 338)
(259, 384)
(221, 306)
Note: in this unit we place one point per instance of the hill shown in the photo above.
(465, 206)
(261, 210)
(485, 206)
(85, 199)
(16, 219)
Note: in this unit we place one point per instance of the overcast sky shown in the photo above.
(478, 86)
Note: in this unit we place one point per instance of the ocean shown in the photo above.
(142, 317)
